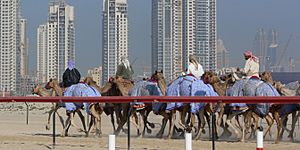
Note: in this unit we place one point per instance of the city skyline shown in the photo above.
(235, 37)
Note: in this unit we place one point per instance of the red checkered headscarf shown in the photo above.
(248, 53)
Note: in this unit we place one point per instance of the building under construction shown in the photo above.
(266, 49)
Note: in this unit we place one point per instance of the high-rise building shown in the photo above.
(42, 53)
(189, 30)
(23, 48)
(59, 42)
(9, 45)
(167, 37)
(206, 33)
(181, 28)
(115, 35)
(96, 74)
(222, 55)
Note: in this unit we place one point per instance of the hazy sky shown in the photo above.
(237, 22)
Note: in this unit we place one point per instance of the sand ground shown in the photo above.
(15, 134)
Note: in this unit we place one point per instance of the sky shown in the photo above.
(237, 22)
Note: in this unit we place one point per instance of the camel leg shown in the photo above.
(123, 120)
(270, 123)
(182, 121)
(283, 122)
(82, 121)
(146, 123)
(243, 127)
(172, 124)
(48, 120)
(98, 124)
(163, 125)
(136, 122)
(226, 133)
(193, 120)
(256, 121)
(229, 123)
(68, 123)
(208, 123)
(96, 120)
(295, 117)
(201, 124)
(112, 119)
(278, 122)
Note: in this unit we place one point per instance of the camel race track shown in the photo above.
(15, 134)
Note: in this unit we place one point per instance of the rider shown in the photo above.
(124, 69)
(71, 76)
(251, 66)
(194, 67)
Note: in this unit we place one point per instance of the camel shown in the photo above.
(41, 91)
(220, 88)
(251, 87)
(155, 86)
(54, 84)
(276, 109)
(188, 86)
(117, 87)
(96, 109)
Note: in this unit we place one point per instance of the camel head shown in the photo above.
(39, 90)
(89, 81)
(283, 90)
(36, 88)
(106, 88)
(228, 79)
(159, 77)
(210, 78)
(266, 77)
(52, 83)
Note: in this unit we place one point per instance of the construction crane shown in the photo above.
(284, 51)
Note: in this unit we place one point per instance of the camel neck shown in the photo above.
(58, 90)
(43, 92)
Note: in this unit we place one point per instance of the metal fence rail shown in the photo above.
(151, 99)
(162, 99)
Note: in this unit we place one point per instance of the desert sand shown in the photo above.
(15, 134)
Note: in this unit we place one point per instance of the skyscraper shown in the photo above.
(167, 37)
(206, 33)
(181, 28)
(23, 48)
(60, 40)
(42, 53)
(115, 35)
(9, 45)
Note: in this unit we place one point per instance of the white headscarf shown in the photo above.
(125, 61)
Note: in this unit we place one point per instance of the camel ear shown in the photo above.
(161, 71)
(155, 72)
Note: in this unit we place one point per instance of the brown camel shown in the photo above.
(117, 87)
(41, 91)
(96, 109)
(54, 84)
(281, 120)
